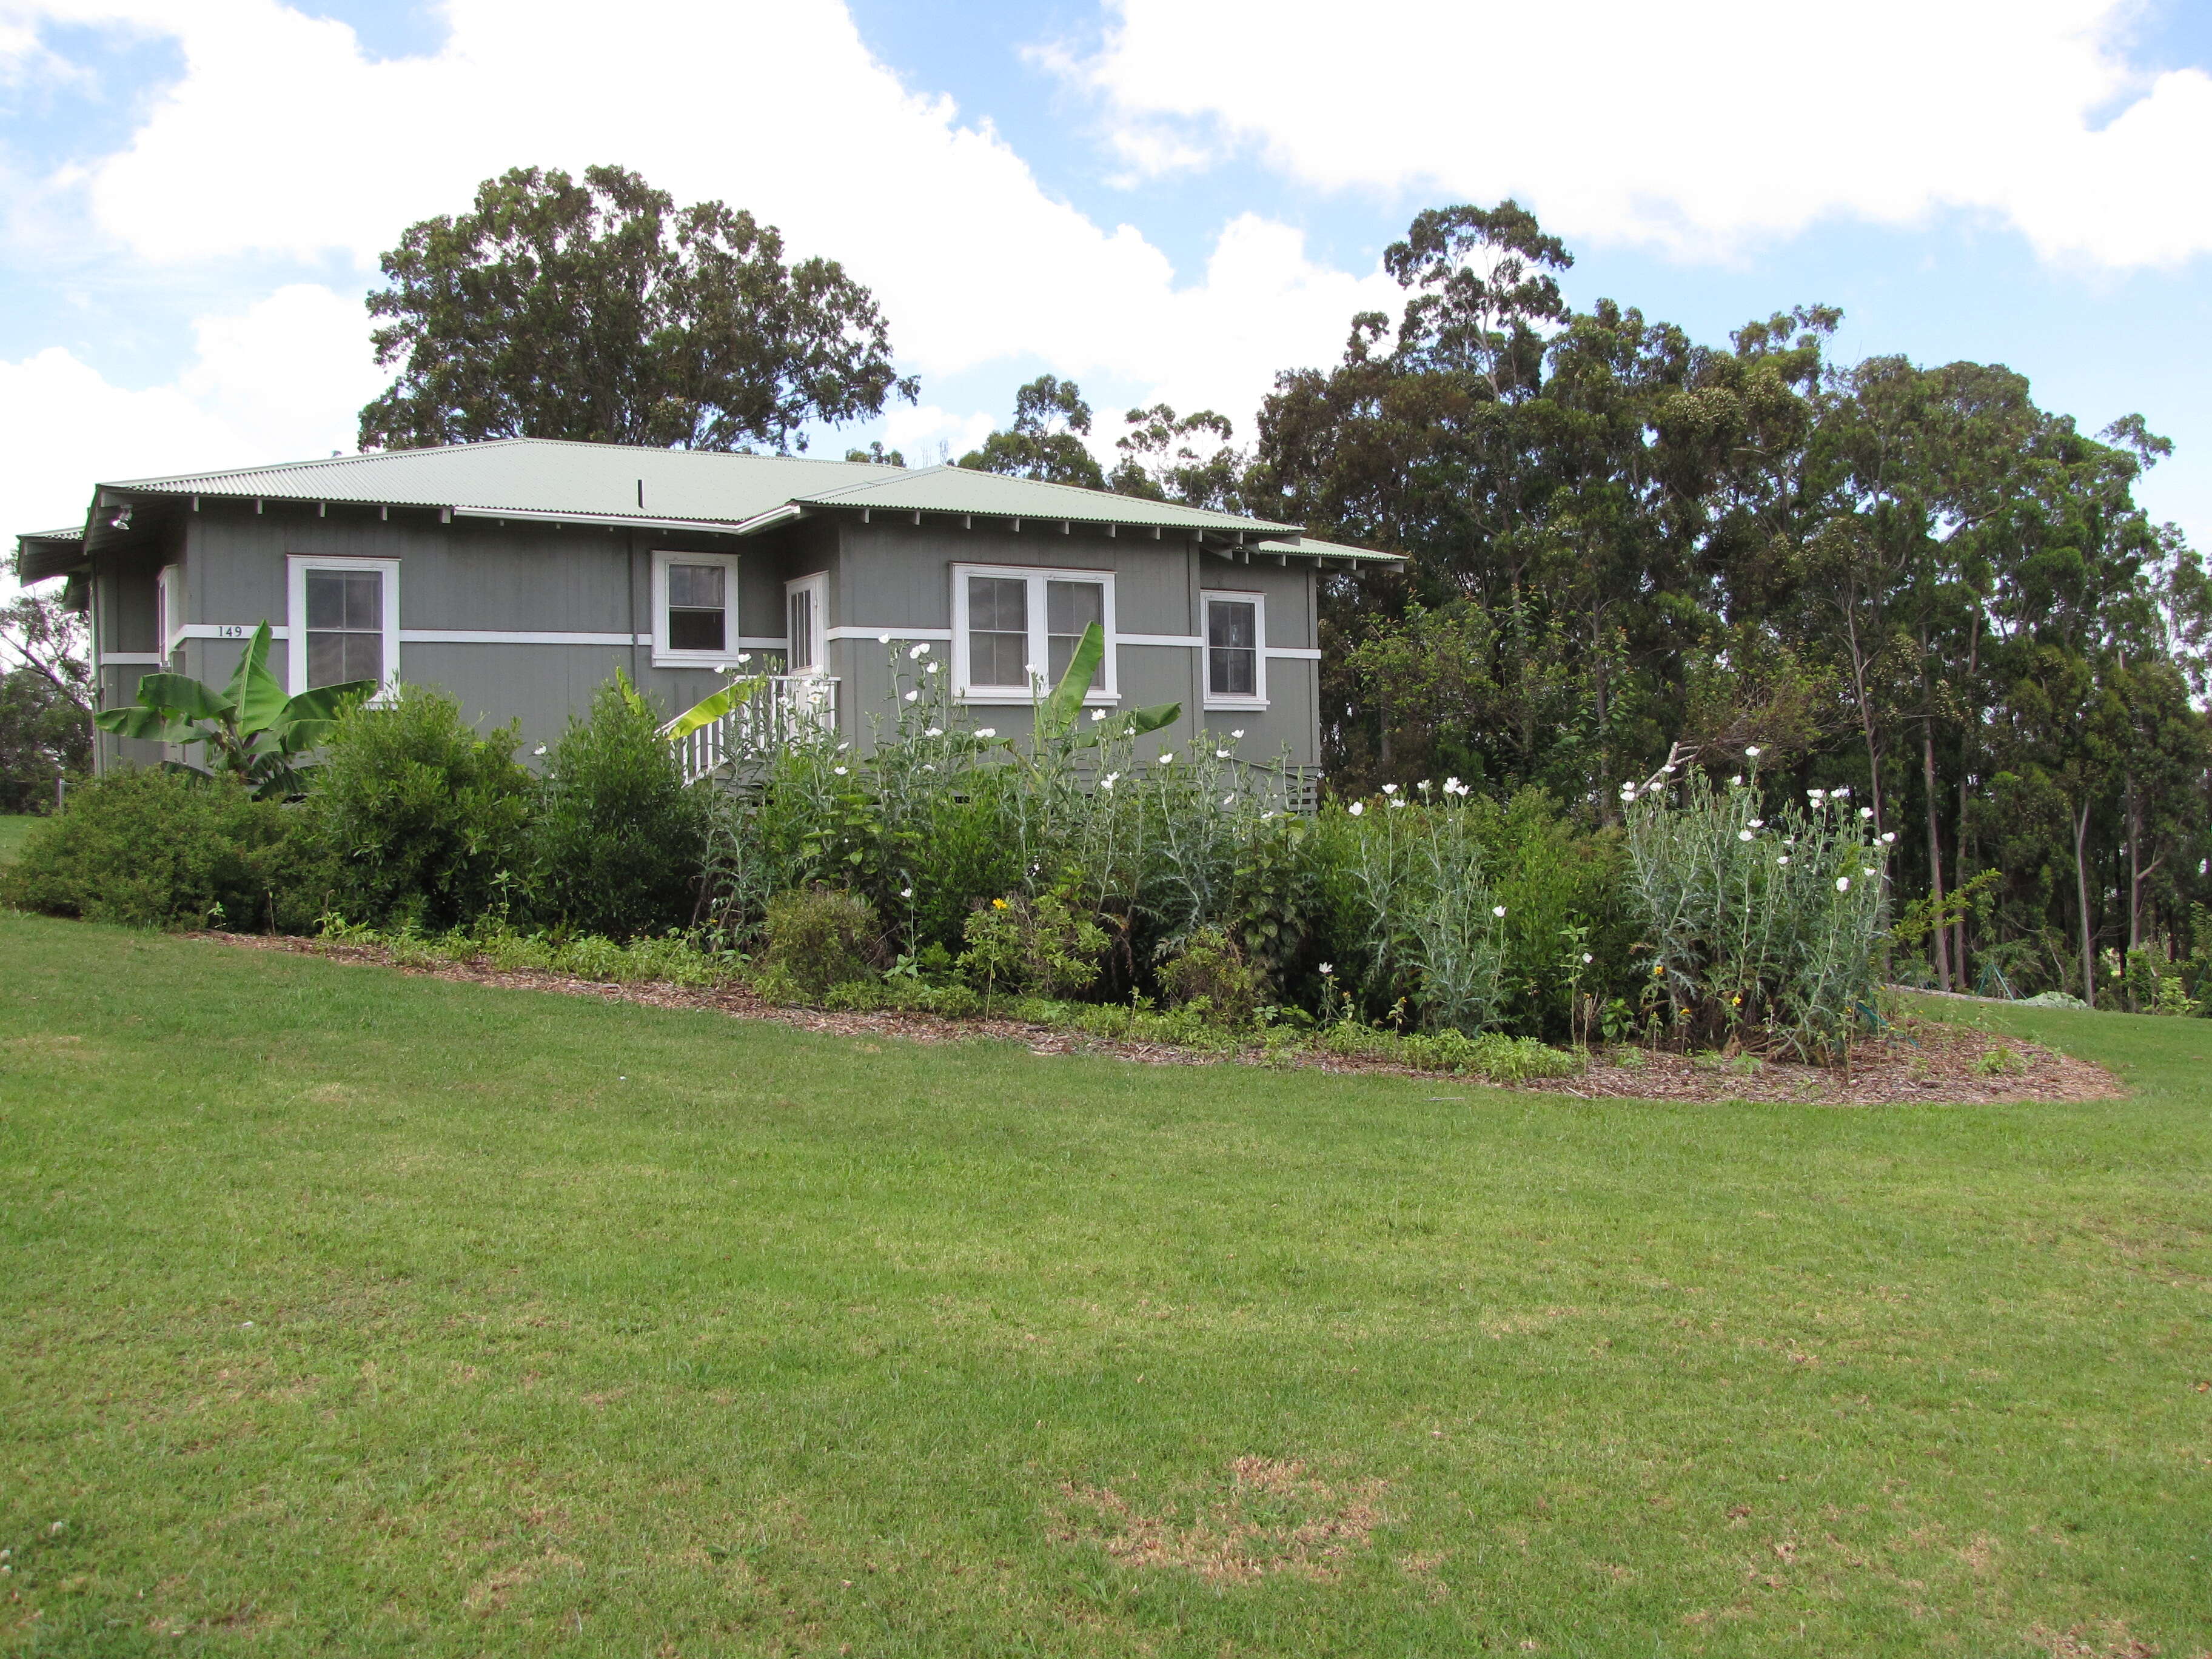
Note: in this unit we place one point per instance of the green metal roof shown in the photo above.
(617, 484)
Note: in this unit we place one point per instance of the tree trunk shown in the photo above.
(2081, 897)
(1941, 932)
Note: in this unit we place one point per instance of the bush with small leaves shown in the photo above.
(820, 937)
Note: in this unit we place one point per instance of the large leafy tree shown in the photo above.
(1045, 441)
(599, 310)
(45, 700)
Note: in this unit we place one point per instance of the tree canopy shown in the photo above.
(599, 310)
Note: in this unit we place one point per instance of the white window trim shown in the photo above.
(169, 609)
(1207, 596)
(664, 655)
(818, 585)
(1039, 652)
(297, 566)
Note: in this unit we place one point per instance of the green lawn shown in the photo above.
(351, 1313)
(14, 827)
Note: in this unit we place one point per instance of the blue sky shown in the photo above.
(1157, 197)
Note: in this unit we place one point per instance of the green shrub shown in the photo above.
(618, 839)
(1761, 930)
(1209, 971)
(1020, 945)
(423, 821)
(151, 847)
(820, 937)
(1490, 1055)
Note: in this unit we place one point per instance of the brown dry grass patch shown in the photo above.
(1270, 1517)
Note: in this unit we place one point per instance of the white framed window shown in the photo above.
(169, 609)
(1236, 634)
(805, 613)
(694, 609)
(344, 617)
(1016, 626)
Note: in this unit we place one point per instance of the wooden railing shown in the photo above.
(787, 707)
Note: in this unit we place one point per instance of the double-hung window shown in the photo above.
(694, 609)
(1014, 631)
(1235, 651)
(343, 621)
(169, 609)
(804, 610)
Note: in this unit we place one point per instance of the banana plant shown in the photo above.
(1056, 714)
(249, 730)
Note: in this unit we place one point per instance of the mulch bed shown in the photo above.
(1919, 1062)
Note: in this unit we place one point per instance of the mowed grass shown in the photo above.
(13, 827)
(349, 1312)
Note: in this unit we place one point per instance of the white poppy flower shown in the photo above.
(1759, 823)
(1394, 800)
(1097, 715)
(1107, 782)
(839, 770)
(1238, 732)
(1840, 793)
(1865, 811)
(934, 732)
(882, 639)
(539, 749)
(1784, 858)
(916, 654)
(1737, 782)
(1887, 836)
(1327, 969)
(1588, 958)
(1356, 808)
(1498, 910)
(843, 746)
(1843, 884)
(1228, 799)
(1390, 788)
(1816, 794)
(1452, 784)
(1869, 871)
(1221, 754)
(912, 695)
(1752, 751)
(929, 668)
(905, 892)
(1167, 758)
(1743, 834)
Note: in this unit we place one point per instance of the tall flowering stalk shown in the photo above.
(1761, 926)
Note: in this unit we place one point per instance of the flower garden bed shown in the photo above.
(1918, 1061)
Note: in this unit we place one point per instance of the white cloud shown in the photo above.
(281, 139)
(283, 380)
(1701, 128)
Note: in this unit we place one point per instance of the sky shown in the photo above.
(1161, 199)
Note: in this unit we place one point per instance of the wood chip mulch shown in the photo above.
(1919, 1062)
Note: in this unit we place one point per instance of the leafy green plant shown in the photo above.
(822, 936)
(423, 820)
(1018, 944)
(1209, 970)
(157, 848)
(618, 839)
(250, 729)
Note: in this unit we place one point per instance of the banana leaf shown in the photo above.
(712, 708)
(148, 725)
(1135, 723)
(254, 691)
(1057, 712)
(181, 696)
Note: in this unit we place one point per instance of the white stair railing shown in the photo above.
(787, 708)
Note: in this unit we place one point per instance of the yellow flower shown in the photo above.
(998, 904)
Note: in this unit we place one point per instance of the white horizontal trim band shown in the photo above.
(496, 636)
(1187, 642)
(130, 659)
(227, 631)
(1294, 652)
(834, 635)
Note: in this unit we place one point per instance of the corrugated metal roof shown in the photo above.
(958, 490)
(1313, 547)
(43, 554)
(615, 482)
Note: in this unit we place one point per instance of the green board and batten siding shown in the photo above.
(576, 557)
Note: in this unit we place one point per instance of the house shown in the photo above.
(518, 575)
